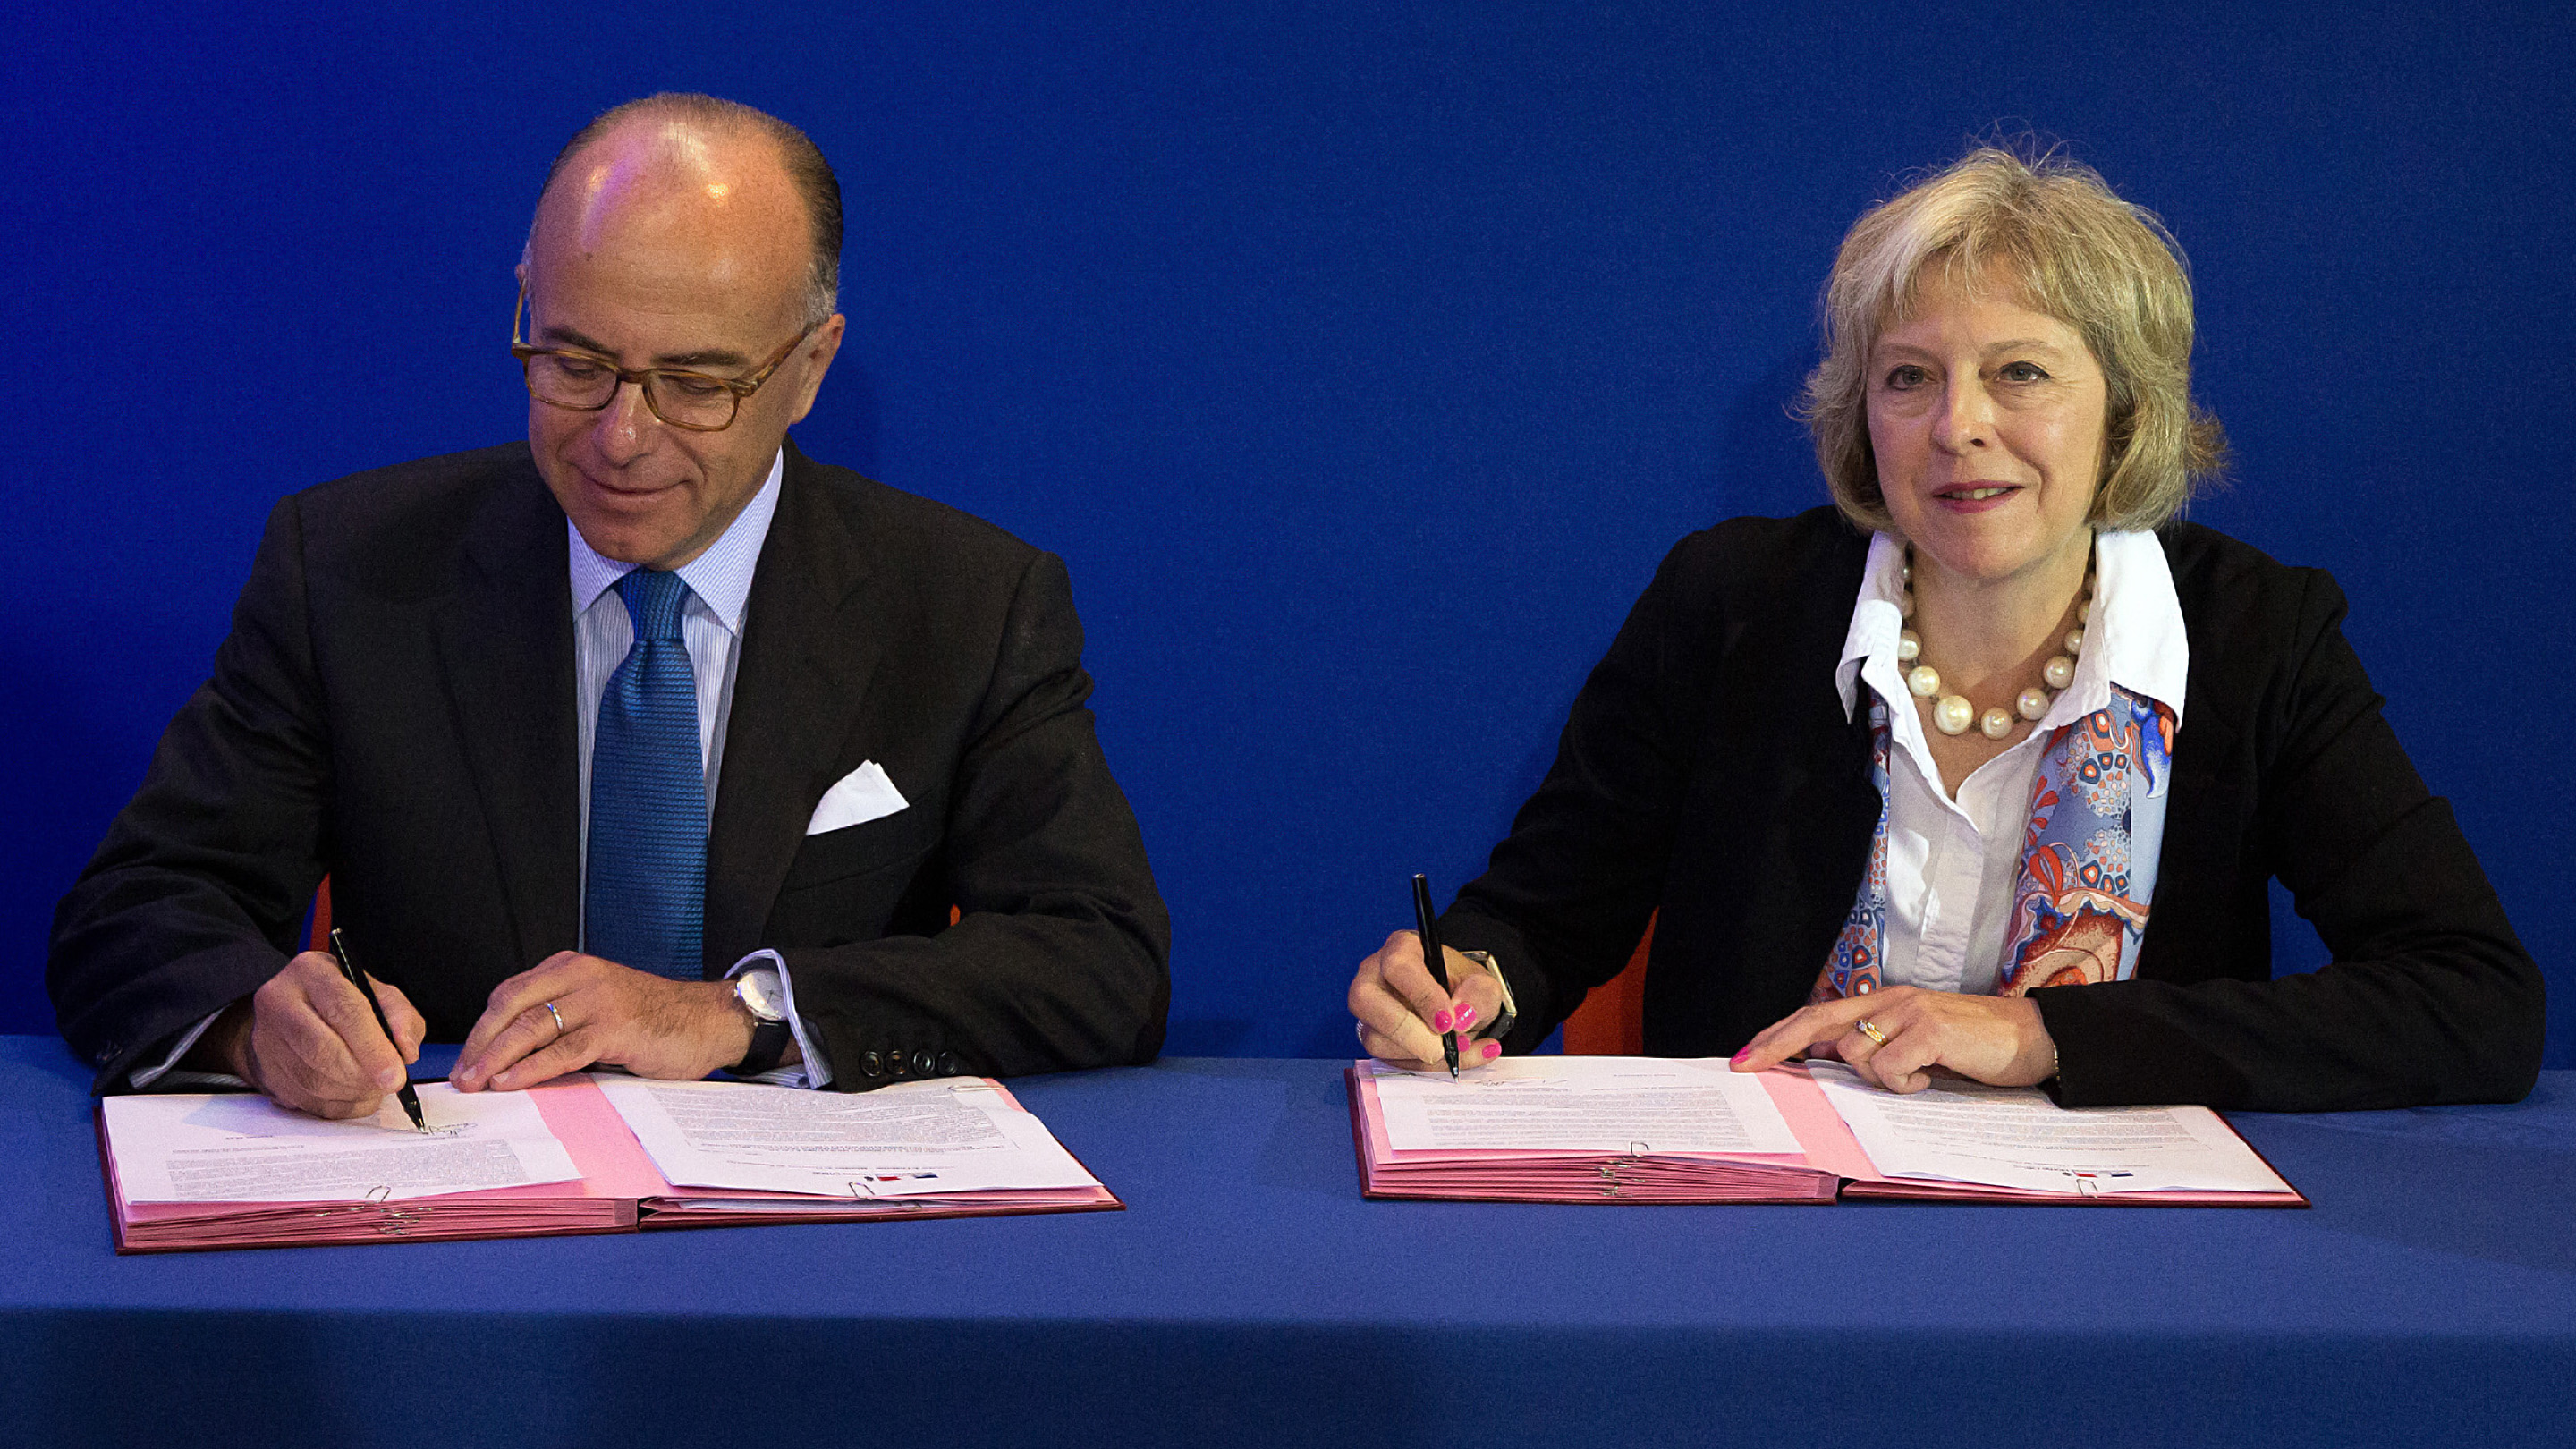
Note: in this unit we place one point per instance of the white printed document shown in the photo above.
(1632, 1105)
(945, 1135)
(241, 1147)
(1961, 1131)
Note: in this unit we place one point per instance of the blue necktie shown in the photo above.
(644, 904)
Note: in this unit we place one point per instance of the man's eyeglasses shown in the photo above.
(585, 382)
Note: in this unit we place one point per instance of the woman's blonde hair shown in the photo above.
(2055, 232)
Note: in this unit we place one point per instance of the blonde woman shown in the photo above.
(1985, 769)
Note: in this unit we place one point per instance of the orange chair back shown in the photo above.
(1611, 1022)
(320, 938)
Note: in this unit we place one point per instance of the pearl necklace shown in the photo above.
(1952, 713)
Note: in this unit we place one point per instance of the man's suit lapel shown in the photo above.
(804, 669)
(505, 640)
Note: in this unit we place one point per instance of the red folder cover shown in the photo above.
(619, 1191)
(1831, 1168)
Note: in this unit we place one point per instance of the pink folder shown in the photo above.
(619, 1191)
(1831, 1168)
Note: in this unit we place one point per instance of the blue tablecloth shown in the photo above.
(1250, 1294)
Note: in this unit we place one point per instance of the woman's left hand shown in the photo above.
(1995, 1039)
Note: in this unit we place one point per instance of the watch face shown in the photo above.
(759, 994)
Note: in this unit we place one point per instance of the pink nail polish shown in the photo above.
(1441, 1022)
(1740, 1055)
(1466, 1017)
(1493, 1049)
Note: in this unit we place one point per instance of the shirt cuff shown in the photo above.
(165, 1071)
(814, 1070)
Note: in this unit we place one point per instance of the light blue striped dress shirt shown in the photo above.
(711, 622)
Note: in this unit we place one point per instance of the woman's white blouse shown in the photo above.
(1951, 864)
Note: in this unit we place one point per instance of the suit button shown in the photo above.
(923, 1062)
(871, 1065)
(894, 1063)
(948, 1064)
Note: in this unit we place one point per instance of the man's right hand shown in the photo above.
(309, 1041)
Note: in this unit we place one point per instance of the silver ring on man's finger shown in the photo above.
(559, 1026)
(1869, 1028)
(1363, 1030)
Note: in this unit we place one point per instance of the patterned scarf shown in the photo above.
(2072, 919)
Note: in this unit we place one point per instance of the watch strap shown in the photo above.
(769, 1038)
(768, 1043)
(1501, 1025)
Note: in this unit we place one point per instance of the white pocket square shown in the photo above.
(863, 795)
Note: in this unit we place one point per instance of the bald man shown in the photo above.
(648, 742)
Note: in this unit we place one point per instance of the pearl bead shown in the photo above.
(1952, 714)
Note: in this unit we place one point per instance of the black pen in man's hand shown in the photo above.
(410, 1099)
(1431, 957)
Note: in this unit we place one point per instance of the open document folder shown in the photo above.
(1670, 1130)
(581, 1154)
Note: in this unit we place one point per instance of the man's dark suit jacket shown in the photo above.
(1708, 770)
(395, 706)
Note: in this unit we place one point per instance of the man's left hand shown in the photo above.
(1995, 1039)
(612, 1014)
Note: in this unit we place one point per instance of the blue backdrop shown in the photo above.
(1362, 359)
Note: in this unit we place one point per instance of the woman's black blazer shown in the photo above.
(1707, 771)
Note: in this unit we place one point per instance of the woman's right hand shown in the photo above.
(1403, 1013)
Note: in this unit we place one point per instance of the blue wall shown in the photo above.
(1361, 358)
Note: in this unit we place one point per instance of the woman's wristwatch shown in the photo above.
(1501, 1025)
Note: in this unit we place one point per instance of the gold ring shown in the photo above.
(559, 1026)
(1869, 1028)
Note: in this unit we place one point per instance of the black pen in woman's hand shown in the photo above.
(1431, 957)
(410, 1099)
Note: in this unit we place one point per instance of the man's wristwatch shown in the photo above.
(757, 992)
(1501, 1025)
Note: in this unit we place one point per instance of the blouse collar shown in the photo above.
(2135, 638)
